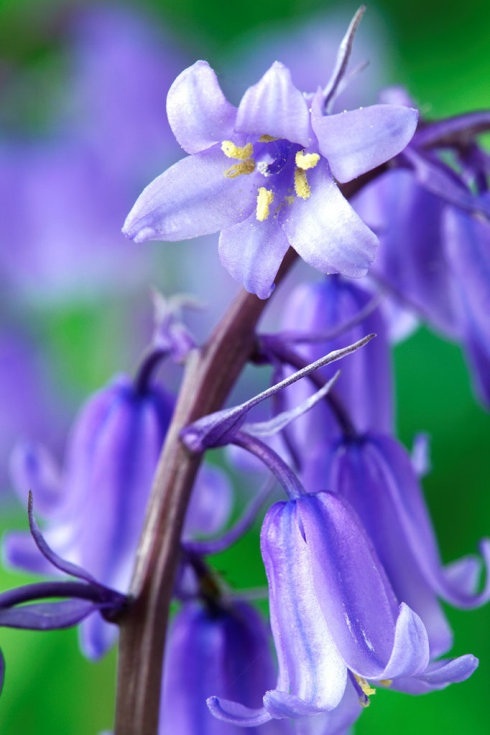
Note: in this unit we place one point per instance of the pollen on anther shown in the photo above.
(245, 167)
(265, 197)
(305, 161)
(239, 153)
(301, 185)
(365, 687)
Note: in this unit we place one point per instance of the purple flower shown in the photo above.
(375, 476)
(30, 403)
(95, 507)
(214, 648)
(467, 242)
(265, 174)
(327, 585)
(320, 317)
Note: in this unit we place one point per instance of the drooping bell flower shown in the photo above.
(95, 506)
(265, 174)
(222, 647)
(375, 475)
(467, 241)
(335, 617)
(318, 318)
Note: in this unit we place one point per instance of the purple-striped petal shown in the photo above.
(275, 107)
(193, 197)
(197, 109)
(326, 232)
(357, 141)
(310, 666)
(351, 587)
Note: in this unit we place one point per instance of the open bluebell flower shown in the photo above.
(265, 174)
(375, 475)
(327, 584)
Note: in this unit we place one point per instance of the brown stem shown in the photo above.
(209, 376)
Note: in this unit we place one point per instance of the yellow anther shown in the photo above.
(301, 185)
(265, 197)
(304, 161)
(386, 682)
(239, 153)
(245, 167)
(366, 688)
(266, 139)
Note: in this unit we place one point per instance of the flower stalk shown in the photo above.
(209, 376)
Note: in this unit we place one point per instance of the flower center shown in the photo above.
(278, 159)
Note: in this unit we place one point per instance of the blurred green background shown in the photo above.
(440, 51)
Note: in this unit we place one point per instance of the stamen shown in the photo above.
(304, 161)
(240, 153)
(301, 185)
(366, 688)
(265, 197)
(245, 167)
(266, 139)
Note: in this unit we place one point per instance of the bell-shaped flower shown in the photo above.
(222, 648)
(265, 174)
(467, 241)
(335, 617)
(331, 313)
(375, 475)
(95, 506)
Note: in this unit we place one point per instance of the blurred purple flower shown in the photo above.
(95, 506)
(30, 405)
(265, 173)
(318, 318)
(222, 648)
(67, 194)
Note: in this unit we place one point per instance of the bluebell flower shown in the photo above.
(375, 475)
(432, 218)
(326, 584)
(324, 316)
(95, 506)
(467, 244)
(220, 648)
(30, 401)
(265, 174)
